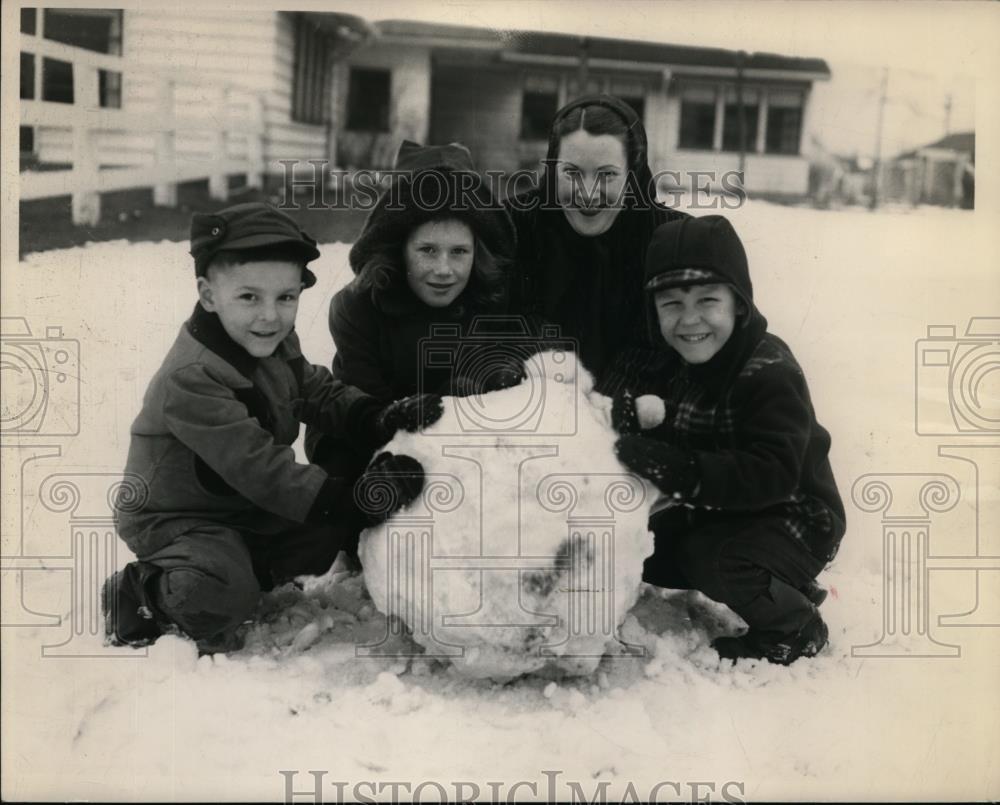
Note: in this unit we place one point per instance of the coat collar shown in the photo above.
(399, 301)
(207, 330)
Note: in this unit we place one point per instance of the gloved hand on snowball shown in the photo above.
(410, 414)
(630, 414)
(390, 483)
(672, 470)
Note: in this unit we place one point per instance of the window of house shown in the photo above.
(29, 20)
(57, 81)
(368, 97)
(632, 92)
(27, 76)
(697, 128)
(731, 120)
(26, 139)
(784, 122)
(109, 83)
(573, 87)
(311, 72)
(97, 29)
(539, 104)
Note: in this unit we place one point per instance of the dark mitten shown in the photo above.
(410, 414)
(672, 470)
(390, 483)
(624, 418)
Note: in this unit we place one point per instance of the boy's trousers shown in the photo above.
(735, 559)
(209, 580)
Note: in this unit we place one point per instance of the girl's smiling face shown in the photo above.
(697, 321)
(439, 256)
(590, 178)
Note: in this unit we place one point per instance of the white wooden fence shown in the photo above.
(88, 121)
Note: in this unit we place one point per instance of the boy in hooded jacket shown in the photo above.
(754, 512)
(218, 509)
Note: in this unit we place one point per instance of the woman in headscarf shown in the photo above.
(582, 238)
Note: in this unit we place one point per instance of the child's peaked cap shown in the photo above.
(249, 226)
(697, 251)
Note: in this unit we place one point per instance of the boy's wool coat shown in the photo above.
(212, 443)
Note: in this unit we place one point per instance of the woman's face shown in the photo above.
(439, 257)
(590, 177)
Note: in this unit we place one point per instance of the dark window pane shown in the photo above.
(311, 73)
(638, 104)
(99, 30)
(697, 124)
(368, 100)
(784, 130)
(731, 127)
(110, 88)
(28, 76)
(57, 81)
(29, 20)
(537, 111)
(27, 139)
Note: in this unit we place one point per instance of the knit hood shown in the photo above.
(435, 180)
(704, 251)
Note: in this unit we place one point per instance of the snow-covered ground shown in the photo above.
(852, 292)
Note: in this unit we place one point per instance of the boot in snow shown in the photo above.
(784, 625)
(129, 616)
(814, 592)
(782, 650)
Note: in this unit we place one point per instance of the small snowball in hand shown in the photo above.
(650, 410)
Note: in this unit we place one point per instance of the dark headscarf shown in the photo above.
(590, 286)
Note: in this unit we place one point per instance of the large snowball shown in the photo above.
(526, 547)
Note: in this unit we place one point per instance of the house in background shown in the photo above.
(705, 109)
(149, 96)
(219, 64)
(941, 173)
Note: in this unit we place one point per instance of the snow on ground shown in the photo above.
(850, 291)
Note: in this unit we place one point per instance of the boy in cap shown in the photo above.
(756, 514)
(223, 510)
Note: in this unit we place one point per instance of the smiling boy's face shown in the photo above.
(256, 302)
(697, 321)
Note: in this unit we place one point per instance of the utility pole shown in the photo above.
(742, 112)
(947, 114)
(877, 163)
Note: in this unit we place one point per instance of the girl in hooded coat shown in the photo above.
(580, 254)
(429, 263)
